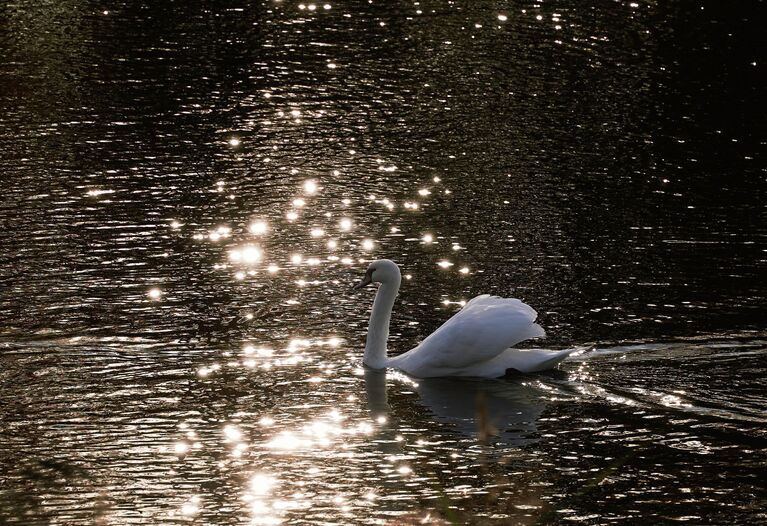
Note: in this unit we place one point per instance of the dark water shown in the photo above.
(164, 359)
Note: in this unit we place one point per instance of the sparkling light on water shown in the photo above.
(248, 254)
(259, 228)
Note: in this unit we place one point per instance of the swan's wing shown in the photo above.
(484, 328)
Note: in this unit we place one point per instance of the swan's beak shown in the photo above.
(367, 280)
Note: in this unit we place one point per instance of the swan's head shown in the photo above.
(380, 271)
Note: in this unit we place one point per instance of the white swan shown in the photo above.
(475, 342)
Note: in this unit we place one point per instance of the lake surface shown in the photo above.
(191, 189)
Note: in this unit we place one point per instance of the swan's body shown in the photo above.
(475, 342)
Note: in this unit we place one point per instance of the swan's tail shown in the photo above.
(522, 360)
(533, 360)
(546, 360)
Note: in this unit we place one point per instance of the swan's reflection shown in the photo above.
(473, 406)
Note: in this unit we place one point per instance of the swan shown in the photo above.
(475, 342)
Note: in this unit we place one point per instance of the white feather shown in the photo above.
(476, 341)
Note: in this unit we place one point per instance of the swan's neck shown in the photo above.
(378, 329)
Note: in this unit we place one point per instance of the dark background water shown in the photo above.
(603, 163)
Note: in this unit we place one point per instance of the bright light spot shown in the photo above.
(175, 225)
(428, 238)
(367, 244)
(464, 270)
(272, 268)
(381, 419)
(181, 447)
(408, 276)
(332, 244)
(248, 254)
(239, 276)
(234, 141)
(192, 507)
(261, 351)
(312, 7)
(286, 441)
(503, 18)
(404, 470)
(365, 428)
(313, 262)
(317, 232)
(295, 113)
(296, 259)
(445, 264)
(326, 6)
(436, 179)
(232, 433)
(310, 187)
(346, 201)
(261, 509)
(298, 203)
(258, 228)
(266, 421)
(345, 224)
(262, 484)
(423, 191)
(539, 17)
(154, 293)
(331, 65)
(298, 343)
(238, 449)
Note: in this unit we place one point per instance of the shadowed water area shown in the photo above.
(191, 188)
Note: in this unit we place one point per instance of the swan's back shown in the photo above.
(485, 328)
